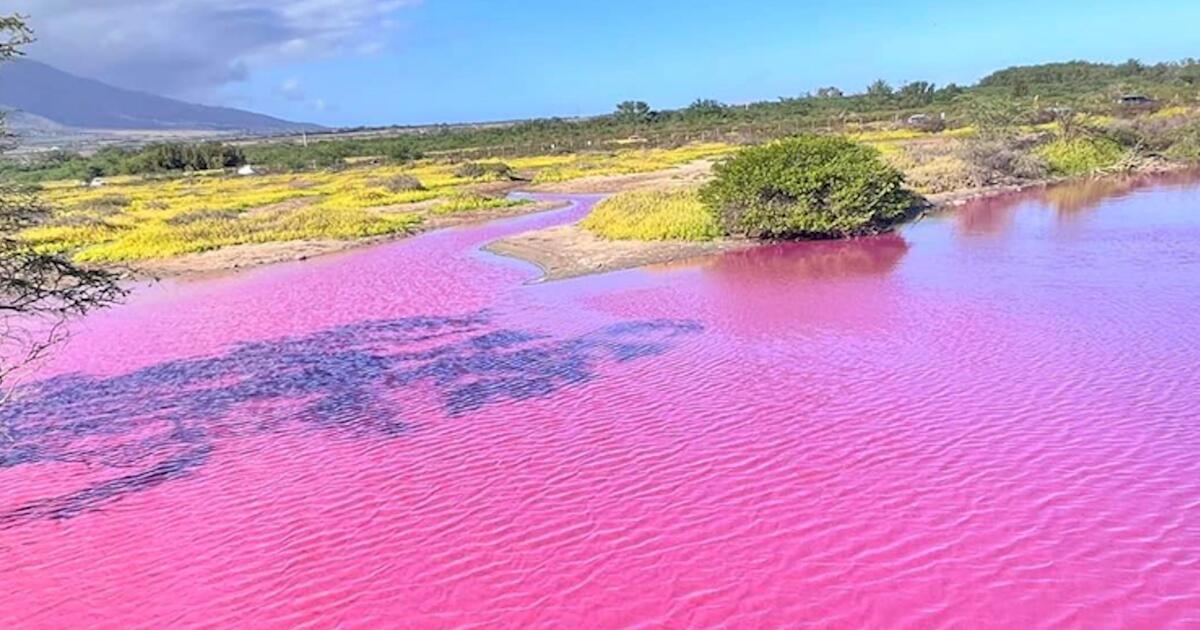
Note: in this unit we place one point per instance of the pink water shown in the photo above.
(991, 419)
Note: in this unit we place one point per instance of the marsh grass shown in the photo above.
(467, 201)
(653, 215)
(139, 218)
(552, 169)
(1073, 156)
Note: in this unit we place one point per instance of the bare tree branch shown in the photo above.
(39, 291)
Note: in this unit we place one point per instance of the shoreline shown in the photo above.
(236, 258)
(565, 251)
(568, 251)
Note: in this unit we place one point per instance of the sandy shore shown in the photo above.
(569, 251)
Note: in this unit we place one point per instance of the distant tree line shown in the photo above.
(112, 161)
(1030, 92)
(176, 157)
(1086, 73)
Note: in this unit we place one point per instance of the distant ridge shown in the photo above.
(48, 94)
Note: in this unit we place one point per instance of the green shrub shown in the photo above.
(653, 215)
(807, 187)
(403, 183)
(1146, 133)
(174, 156)
(1081, 155)
(496, 171)
(1186, 147)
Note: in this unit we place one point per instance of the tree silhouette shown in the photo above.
(39, 291)
(633, 111)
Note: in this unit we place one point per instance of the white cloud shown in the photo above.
(291, 90)
(191, 47)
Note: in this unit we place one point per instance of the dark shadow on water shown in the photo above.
(160, 423)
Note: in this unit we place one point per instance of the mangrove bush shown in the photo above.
(807, 187)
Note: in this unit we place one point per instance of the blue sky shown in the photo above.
(376, 62)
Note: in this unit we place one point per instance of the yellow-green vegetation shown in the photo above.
(560, 168)
(467, 201)
(931, 166)
(809, 186)
(1081, 155)
(940, 174)
(1186, 144)
(140, 218)
(653, 215)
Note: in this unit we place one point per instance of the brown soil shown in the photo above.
(570, 251)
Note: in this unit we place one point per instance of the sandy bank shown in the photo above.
(569, 251)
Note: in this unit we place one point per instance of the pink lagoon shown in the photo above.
(986, 419)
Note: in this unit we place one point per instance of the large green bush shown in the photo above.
(807, 187)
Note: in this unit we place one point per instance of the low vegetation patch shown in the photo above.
(1081, 155)
(653, 216)
(474, 202)
(403, 183)
(189, 233)
(939, 175)
(1002, 158)
(132, 218)
(1186, 147)
(489, 171)
(561, 168)
(808, 187)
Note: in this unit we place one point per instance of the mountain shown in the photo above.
(25, 124)
(48, 94)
